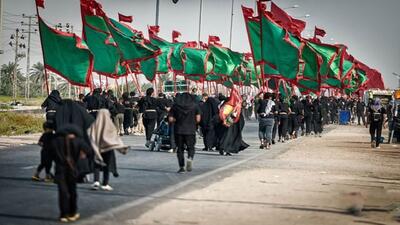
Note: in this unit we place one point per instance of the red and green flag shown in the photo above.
(66, 55)
(105, 51)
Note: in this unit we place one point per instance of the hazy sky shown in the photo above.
(370, 28)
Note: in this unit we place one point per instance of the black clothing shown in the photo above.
(110, 161)
(149, 126)
(149, 106)
(231, 141)
(209, 117)
(66, 154)
(51, 103)
(376, 118)
(128, 113)
(46, 153)
(95, 102)
(317, 118)
(183, 141)
(185, 111)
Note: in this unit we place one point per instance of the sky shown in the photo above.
(369, 28)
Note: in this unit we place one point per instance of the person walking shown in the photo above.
(360, 110)
(119, 116)
(104, 140)
(149, 107)
(266, 120)
(69, 146)
(376, 114)
(185, 114)
(50, 104)
(284, 110)
(317, 117)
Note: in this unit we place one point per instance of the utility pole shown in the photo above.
(1, 23)
(69, 28)
(29, 32)
(18, 45)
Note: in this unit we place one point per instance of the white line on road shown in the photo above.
(112, 212)
(28, 167)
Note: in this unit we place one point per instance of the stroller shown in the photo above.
(161, 138)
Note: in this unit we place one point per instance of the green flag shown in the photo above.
(66, 55)
(196, 62)
(279, 49)
(131, 48)
(226, 61)
(103, 47)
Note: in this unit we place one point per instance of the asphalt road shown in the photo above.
(142, 174)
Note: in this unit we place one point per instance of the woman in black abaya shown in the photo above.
(209, 115)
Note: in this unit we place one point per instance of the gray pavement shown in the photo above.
(143, 175)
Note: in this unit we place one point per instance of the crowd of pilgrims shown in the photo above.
(81, 136)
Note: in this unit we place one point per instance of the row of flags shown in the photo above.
(282, 53)
(280, 58)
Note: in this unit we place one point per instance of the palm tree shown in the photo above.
(7, 78)
(38, 78)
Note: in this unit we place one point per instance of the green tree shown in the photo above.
(37, 78)
(6, 79)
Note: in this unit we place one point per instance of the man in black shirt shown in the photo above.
(360, 109)
(185, 114)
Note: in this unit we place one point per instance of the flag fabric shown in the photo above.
(131, 49)
(40, 3)
(280, 49)
(229, 112)
(175, 36)
(66, 55)
(214, 40)
(294, 26)
(196, 62)
(102, 45)
(123, 18)
(175, 58)
(319, 32)
(226, 61)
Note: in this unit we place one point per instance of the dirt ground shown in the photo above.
(316, 182)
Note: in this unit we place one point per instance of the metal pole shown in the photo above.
(157, 11)
(200, 15)
(230, 33)
(1, 23)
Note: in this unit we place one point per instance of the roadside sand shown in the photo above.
(315, 182)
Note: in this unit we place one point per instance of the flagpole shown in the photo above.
(230, 33)
(44, 61)
(157, 11)
(200, 15)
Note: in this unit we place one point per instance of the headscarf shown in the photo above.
(103, 136)
(377, 104)
(55, 96)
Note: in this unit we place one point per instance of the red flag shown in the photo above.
(191, 44)
(247, 12)
(203, 45)
(319, 32)
(230, 111)
(214, 40)
(40, 3)
(294, 26)
(175, 36)
(154, 30)
(123, 18)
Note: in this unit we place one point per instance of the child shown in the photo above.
(69, 147)
(45, 153)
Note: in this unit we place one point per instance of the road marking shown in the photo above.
(112, 212)
(28, 167)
